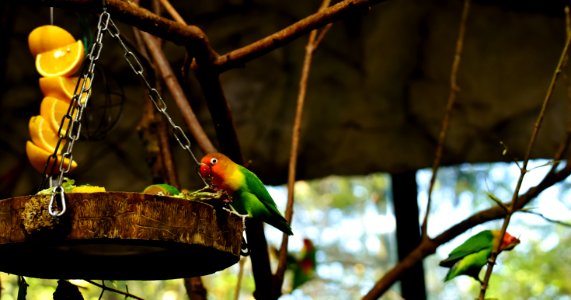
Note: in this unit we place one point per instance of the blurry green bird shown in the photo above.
(304, 267)
(161, 189)
(249, 195)
(469, 258)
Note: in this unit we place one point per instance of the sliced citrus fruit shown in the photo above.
(88, 189)
(48, 37)
(62, 61)
(60, 87)
(38, 158)
(53, 110)
(42, 134)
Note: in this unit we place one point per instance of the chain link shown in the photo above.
(72, 118)
(154, 94)
(79, 101)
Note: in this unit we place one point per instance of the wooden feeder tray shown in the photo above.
(117, 236)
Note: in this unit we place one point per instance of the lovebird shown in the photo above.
(304, 267)
(469, 258)
(161, 189)
(250, 197)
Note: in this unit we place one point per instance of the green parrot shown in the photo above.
(161, 189)
(250, 197)
(469, 258)
(304, 267)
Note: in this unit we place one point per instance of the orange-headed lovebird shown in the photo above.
(304, 268)
(249, 195)
(469, 258)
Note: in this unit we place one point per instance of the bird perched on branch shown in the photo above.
(304, 267)
(250, 197)
(469, 258)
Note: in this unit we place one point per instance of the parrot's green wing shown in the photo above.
(255, 187)
(470, 265)
(476, 243)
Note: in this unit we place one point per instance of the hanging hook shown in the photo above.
(57, 191)
(244, 249)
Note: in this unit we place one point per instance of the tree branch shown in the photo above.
(177, 93)
(429, 246)
(447, 115)
(196, 40)
(315, 37)
(523, 170)
(247, 53)
(106, 288)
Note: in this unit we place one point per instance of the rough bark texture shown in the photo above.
(117, 235)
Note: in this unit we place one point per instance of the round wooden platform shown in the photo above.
(117, 236)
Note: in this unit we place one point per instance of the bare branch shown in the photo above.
(429, 246)
(176, 91)
(106, 288)
(314, 39)
(523, 170)
(447, 115)
(172, 11)
(240, 56)
(548, 219)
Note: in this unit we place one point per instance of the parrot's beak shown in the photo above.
(509, 242)
(204, 170)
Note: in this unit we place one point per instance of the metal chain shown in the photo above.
(154, 94)
(79, 102)
(74, 115)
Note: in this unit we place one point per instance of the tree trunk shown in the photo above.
(408, 231)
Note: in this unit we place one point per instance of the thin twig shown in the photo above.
(178, 94)
(546, 218)
(535, 131)
(172, 11)
(238, 57)
(449, 105)
(315, 37)
(106, 288)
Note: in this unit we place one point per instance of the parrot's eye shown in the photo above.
(213, 161)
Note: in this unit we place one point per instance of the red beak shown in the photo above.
(204, 170)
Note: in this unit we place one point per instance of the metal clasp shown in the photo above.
(57, 191)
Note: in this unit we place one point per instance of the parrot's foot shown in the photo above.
(207, 194)
(244, 251)
(232, 211)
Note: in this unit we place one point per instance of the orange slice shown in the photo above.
(88, 189)
(38, 158)
(48, 37)
(62, 61)
(42, 134)
(60, 87)
(52, 110)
